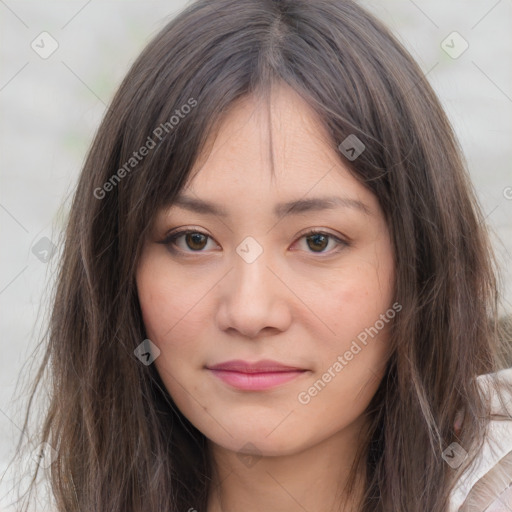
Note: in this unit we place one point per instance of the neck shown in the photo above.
(312, 479)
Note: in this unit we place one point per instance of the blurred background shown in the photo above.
(60, 64)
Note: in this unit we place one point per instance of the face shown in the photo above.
(250, 283)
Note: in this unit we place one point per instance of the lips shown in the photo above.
(255, 376)
(264, 366)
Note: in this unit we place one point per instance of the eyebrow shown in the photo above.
(280, 209)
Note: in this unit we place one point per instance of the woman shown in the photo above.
(209, 349)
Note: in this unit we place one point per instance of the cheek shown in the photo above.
(357, 307)
(352, 360)
(172, 317)
(354, 301)
(166, 300)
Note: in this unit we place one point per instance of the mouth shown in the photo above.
(255, 376)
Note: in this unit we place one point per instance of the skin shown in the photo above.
(298, 303)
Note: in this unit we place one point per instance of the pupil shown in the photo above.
(316, 239)
(195, 238)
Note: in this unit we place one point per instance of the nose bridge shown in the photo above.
(251, 298)
(250, 276)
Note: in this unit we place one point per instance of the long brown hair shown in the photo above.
(121, 443)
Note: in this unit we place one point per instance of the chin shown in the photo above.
(260, 444)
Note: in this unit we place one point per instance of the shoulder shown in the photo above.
(486, 486)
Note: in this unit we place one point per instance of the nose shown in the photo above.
(253, 299)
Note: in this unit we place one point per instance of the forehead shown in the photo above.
(271, 148)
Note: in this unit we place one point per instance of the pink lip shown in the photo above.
(255, 376)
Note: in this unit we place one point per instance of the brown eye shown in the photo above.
(322, 242)
(187, 241)
(318, 242)
(196, 241)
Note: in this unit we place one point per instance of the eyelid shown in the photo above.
(183, 231)
(325, 231)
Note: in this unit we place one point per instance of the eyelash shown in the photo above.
(170, 241)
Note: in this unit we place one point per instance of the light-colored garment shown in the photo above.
(485, 486)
